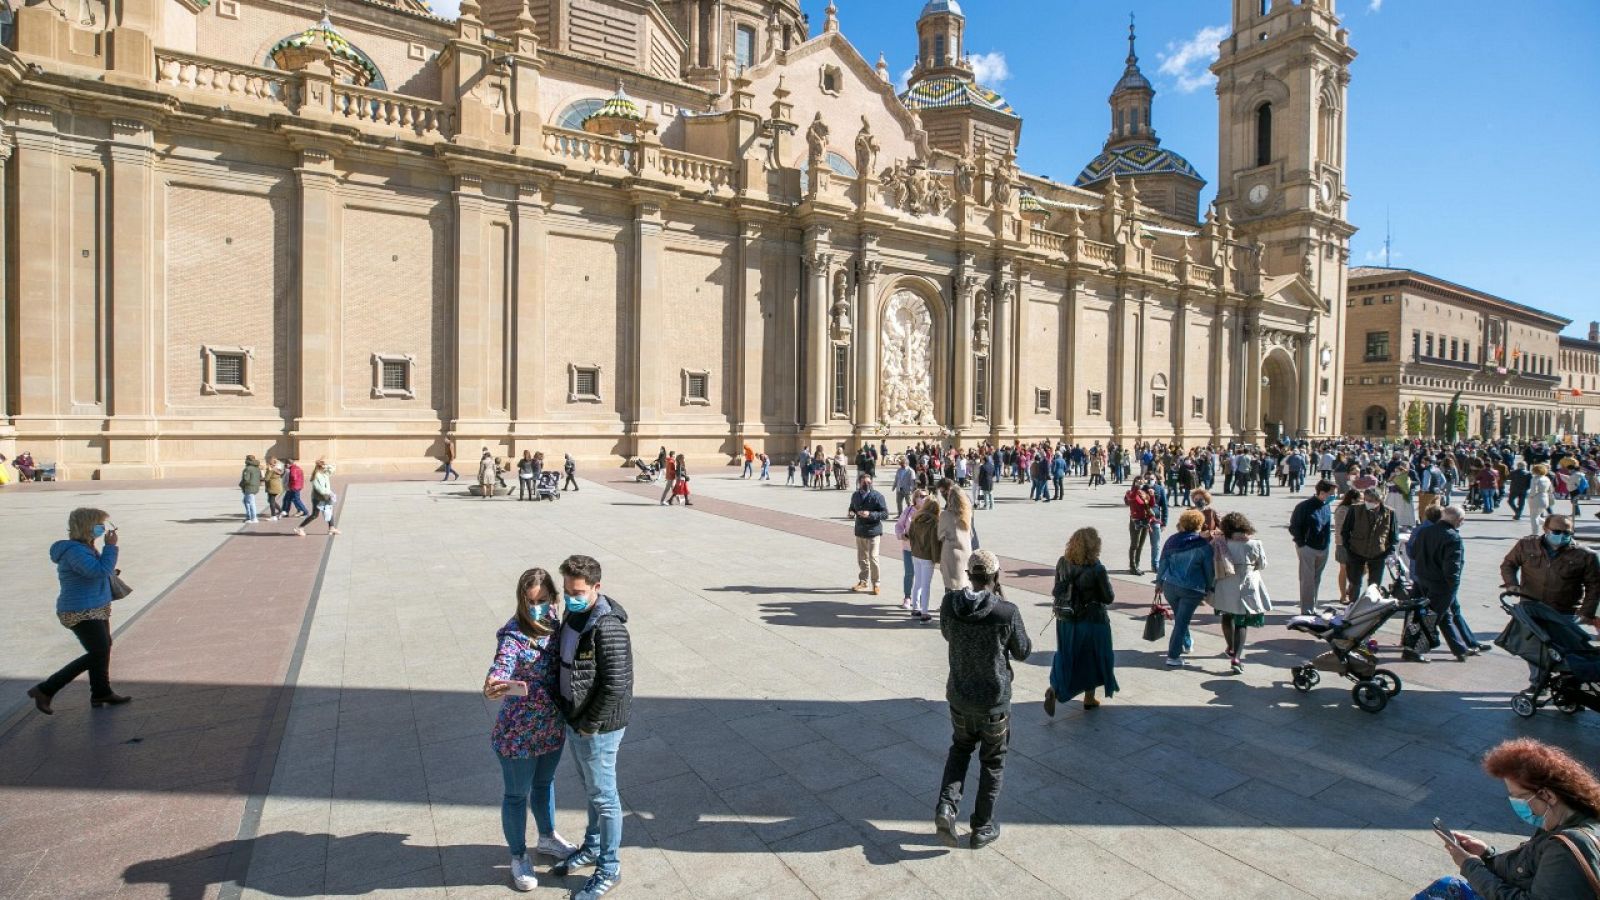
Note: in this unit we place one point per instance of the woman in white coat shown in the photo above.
(1241, 598)
(955, 535)
(1541, 493)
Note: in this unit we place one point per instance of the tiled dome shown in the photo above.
(942, 6)
(946, 91)
(1139, 159)
(336, 43)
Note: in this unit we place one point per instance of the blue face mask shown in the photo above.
(576, 603)
(1557, 541)
(99, 531)
(1525, 812)
(539, 611)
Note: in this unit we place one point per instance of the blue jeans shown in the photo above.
(1155, 545)
(529, 782)
(905, 557)
(291, 497)
(249, 507)
(1487, 495)
(1183, 602)
(596, 756)
(1452, 887)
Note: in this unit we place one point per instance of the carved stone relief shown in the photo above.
(907, 346)
(915, 190)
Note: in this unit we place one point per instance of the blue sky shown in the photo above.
(1474, 124)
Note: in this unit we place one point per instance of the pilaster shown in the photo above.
(528, 397)
(1251, 431)
(1002, 364)
(751, 347)
(471, 397)
(131, 447)
(647, 380)
(316, 372)
(7, 432)
(1178, 384)
(819, 263)
(38, 276)
(868, 267)
(966, 285)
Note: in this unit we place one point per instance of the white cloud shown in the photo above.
(904, 79)
(1374, 5)
(990, 68)
(446, 9)
(1187, 63)
(1375, 257)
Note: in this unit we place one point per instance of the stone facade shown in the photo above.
(1418, 343)
(600, 226)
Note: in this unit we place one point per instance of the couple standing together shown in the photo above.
(563, 681)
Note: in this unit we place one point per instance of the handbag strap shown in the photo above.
(1583, 858)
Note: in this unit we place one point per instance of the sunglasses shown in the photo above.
(1560, 531)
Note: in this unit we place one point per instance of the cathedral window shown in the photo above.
(1197, 407)
(841, 380)
(1096, 403)
(392, 376)
(572, 117)
(744, 47)
(696, 387)
(226, 370)
(980, 387)
(1377, 346)
(1264, 134)
(938, 50)
(1041, 401)
(583, 384)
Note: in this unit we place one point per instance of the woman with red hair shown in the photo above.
(1553, 792)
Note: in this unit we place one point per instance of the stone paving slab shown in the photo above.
(787, 734)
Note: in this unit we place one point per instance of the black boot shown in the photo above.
(984, 835)
(944, 821)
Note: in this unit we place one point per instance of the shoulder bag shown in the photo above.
(119, 588)
(1583, 846)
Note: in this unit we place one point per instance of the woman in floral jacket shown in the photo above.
(528, 733)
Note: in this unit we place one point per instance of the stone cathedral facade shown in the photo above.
(600, 226)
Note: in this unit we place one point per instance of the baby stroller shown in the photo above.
(1566, 663)
(1347, 631)
(649, 473)
(549, 486)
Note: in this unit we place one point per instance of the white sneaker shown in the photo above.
(554, 847)
(1174, 663)
(522, 877)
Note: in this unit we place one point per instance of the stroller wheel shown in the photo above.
(1570, 707)
(1369, 696)
(1522, 705)
(1389, 681)
(1301, 682)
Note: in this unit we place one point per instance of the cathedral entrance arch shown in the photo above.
(909, 348)
(1280, 392)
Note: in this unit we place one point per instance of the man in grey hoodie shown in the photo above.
(982, 629)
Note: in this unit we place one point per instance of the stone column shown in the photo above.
(469, 419)
(1252, 378)
(7, 432)
(131, 449)
(647, 380)
(1066, 375)
(1002, 360)
(751, 348)
(529, 353)
(819, 263)
(1217, 390)
(866, 337)
(1178, 382)
(39, 187)
(1309, 376)
(965, 285)
(319, 381)
(1124, 353)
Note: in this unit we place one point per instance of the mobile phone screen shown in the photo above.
(516, 688)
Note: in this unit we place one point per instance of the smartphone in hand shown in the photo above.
(515, 688)
(1443, 832)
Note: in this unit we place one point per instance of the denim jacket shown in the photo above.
(1188, 563)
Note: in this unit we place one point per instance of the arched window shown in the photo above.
(1122, 127)
(572, 117)
(744, 47)
(1377, 420)
(1264, 134)
(938, 50)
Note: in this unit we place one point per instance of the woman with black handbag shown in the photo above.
(1084, 660)
(89, 583)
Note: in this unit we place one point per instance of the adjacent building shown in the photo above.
(359, 231)
(1418, 346)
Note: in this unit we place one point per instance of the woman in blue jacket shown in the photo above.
(1186, 574)
(84, 606)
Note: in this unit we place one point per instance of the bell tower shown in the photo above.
(1282, 80)
(940, 42)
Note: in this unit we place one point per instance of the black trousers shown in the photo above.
(1360, 567)
(989, 735)
(525, 488)
(572, 482)
(95, 636)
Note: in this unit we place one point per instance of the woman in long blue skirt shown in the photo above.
(1084, 661)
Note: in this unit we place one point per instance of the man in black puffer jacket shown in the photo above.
(982, 629)
(596, 690)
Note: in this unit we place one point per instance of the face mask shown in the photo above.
(576, 603)
(1372, 506)
(1200, 504)
(1557, 541)
(99, 531)
(539, 611)
(1525, 812)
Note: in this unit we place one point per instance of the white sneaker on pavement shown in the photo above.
(522, 877)
(554, 846)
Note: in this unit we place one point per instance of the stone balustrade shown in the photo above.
(700, 171)
(1164, 266)
(228, 81)
(367, 106)
(1098, 253)
(582, 147)
(1048, 241)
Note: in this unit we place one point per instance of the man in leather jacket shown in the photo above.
(595, 693)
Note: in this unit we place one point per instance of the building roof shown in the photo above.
(1136, 159)
(951, 92)
(1578, 343)
(1383, 273)
(941, 6)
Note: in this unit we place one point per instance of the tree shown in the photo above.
(1416, 418)
(1460, 418)
(1455, 419)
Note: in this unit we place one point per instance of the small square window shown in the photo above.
(1325, 386)
(1095, 404)
(1197, 407)
(227, 370)
(1349, 380)
(391, 376)
(696, 388)
(831, 79)
(1388, 298)
(583, 384)
(1366, 379)
(228, 9)
(1158, 404)
(1041, 400)
(1366, 301)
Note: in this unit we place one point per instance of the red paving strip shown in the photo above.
(148, 797)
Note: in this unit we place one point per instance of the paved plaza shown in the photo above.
(308, 720)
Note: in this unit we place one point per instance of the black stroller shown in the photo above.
(1347, 632)
(1566, 662)
(649, 473)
